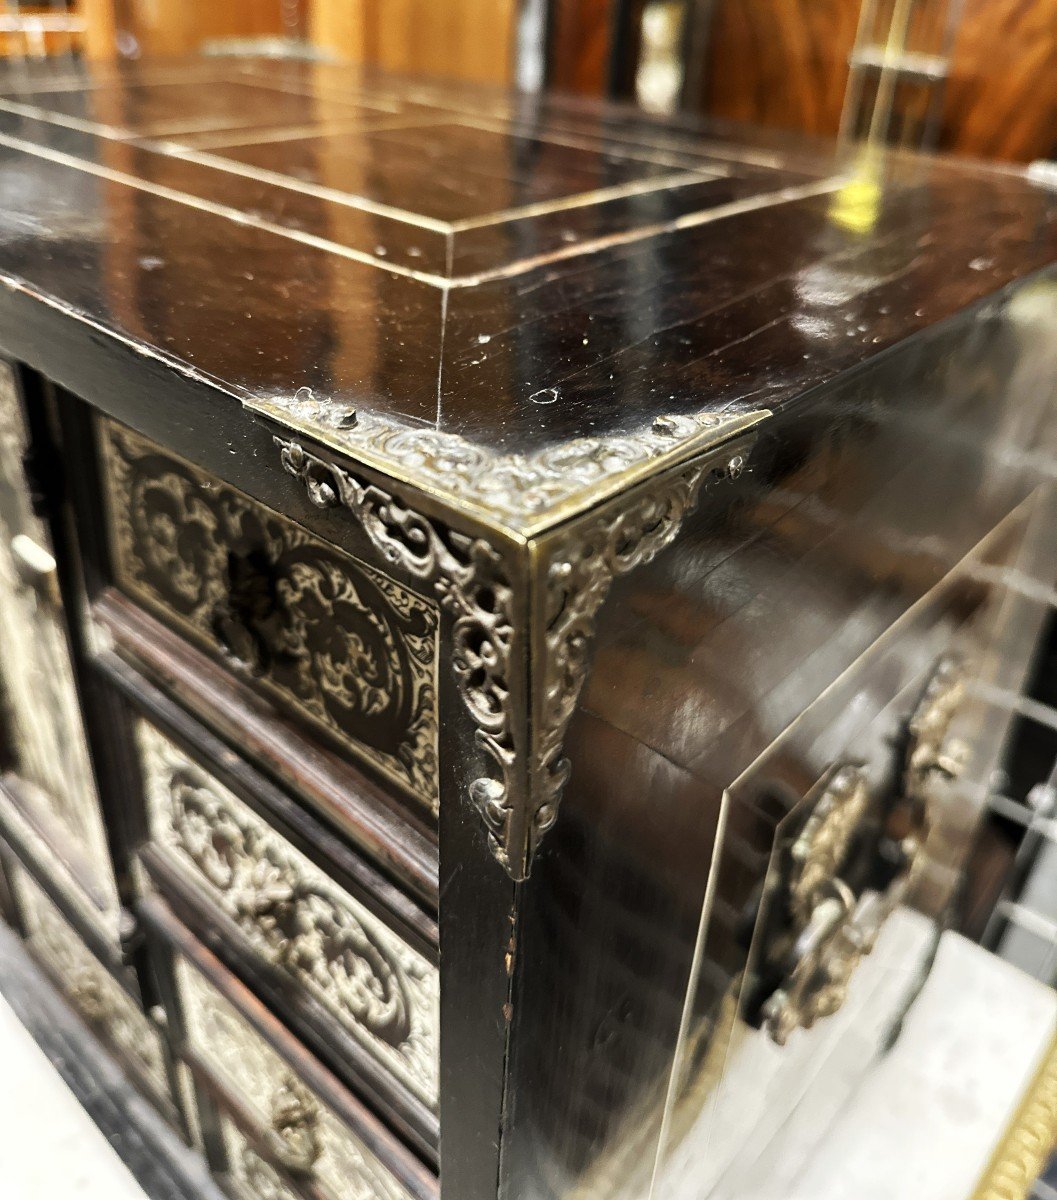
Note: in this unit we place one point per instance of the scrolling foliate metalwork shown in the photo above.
(381, 991)
(521, 716)
(580, 568)
(333, 640)
(513, 488)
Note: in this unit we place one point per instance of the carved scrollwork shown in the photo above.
(260, 1179)
(294, 1138)
(313, 1136)
(323, 634)
(383, 991)
(99, 998)
(520, 715)
(515, 487)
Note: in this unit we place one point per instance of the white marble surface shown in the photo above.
(926, 1119)
(901, 1095)
(775, 1102)
(50, 1149)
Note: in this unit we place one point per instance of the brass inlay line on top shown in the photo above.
(599, 143)
(288, 133)
(517, 267)
(221, 210)
(348, 199)
(643, 232)
(199, 153)
(618, 191)
(419, 93)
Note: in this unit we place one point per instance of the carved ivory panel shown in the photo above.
(381, 991)
(341, 1165)
(38, 699)
(337, 643)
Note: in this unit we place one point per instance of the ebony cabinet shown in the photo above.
(506, 606)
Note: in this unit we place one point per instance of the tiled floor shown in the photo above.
(163, 1167)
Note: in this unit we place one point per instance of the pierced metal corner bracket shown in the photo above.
(520, 723)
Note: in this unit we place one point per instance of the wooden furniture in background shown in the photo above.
(785, 64)
(40, 31)
(1002, 92)
(976, 77)
(780, 63)
(138, 27)
(459, 39)
(465, 39)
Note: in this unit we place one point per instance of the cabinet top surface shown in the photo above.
(515, 303)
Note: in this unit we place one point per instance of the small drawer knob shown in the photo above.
(87, 997)
(37, 568)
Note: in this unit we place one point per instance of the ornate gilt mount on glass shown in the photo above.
(524, 614)
(328, 637)
(932, 752)
(831, 901)
(838, 885)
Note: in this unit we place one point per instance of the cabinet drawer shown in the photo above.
(382, 991)
(295, 1118)
(102, 1002)
(246, 1172)
(331, 641)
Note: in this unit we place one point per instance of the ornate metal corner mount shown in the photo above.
(519, 673)
(932, 752)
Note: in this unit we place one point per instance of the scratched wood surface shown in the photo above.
(462, 259)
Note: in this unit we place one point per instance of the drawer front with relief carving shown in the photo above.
(247, 1172)
(91, 989)
(296, 1127)
(383, 992)
(327, 638)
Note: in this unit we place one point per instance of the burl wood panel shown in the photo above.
(781, 63)
(1002, 95)
(459, 39)
(784, 64)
